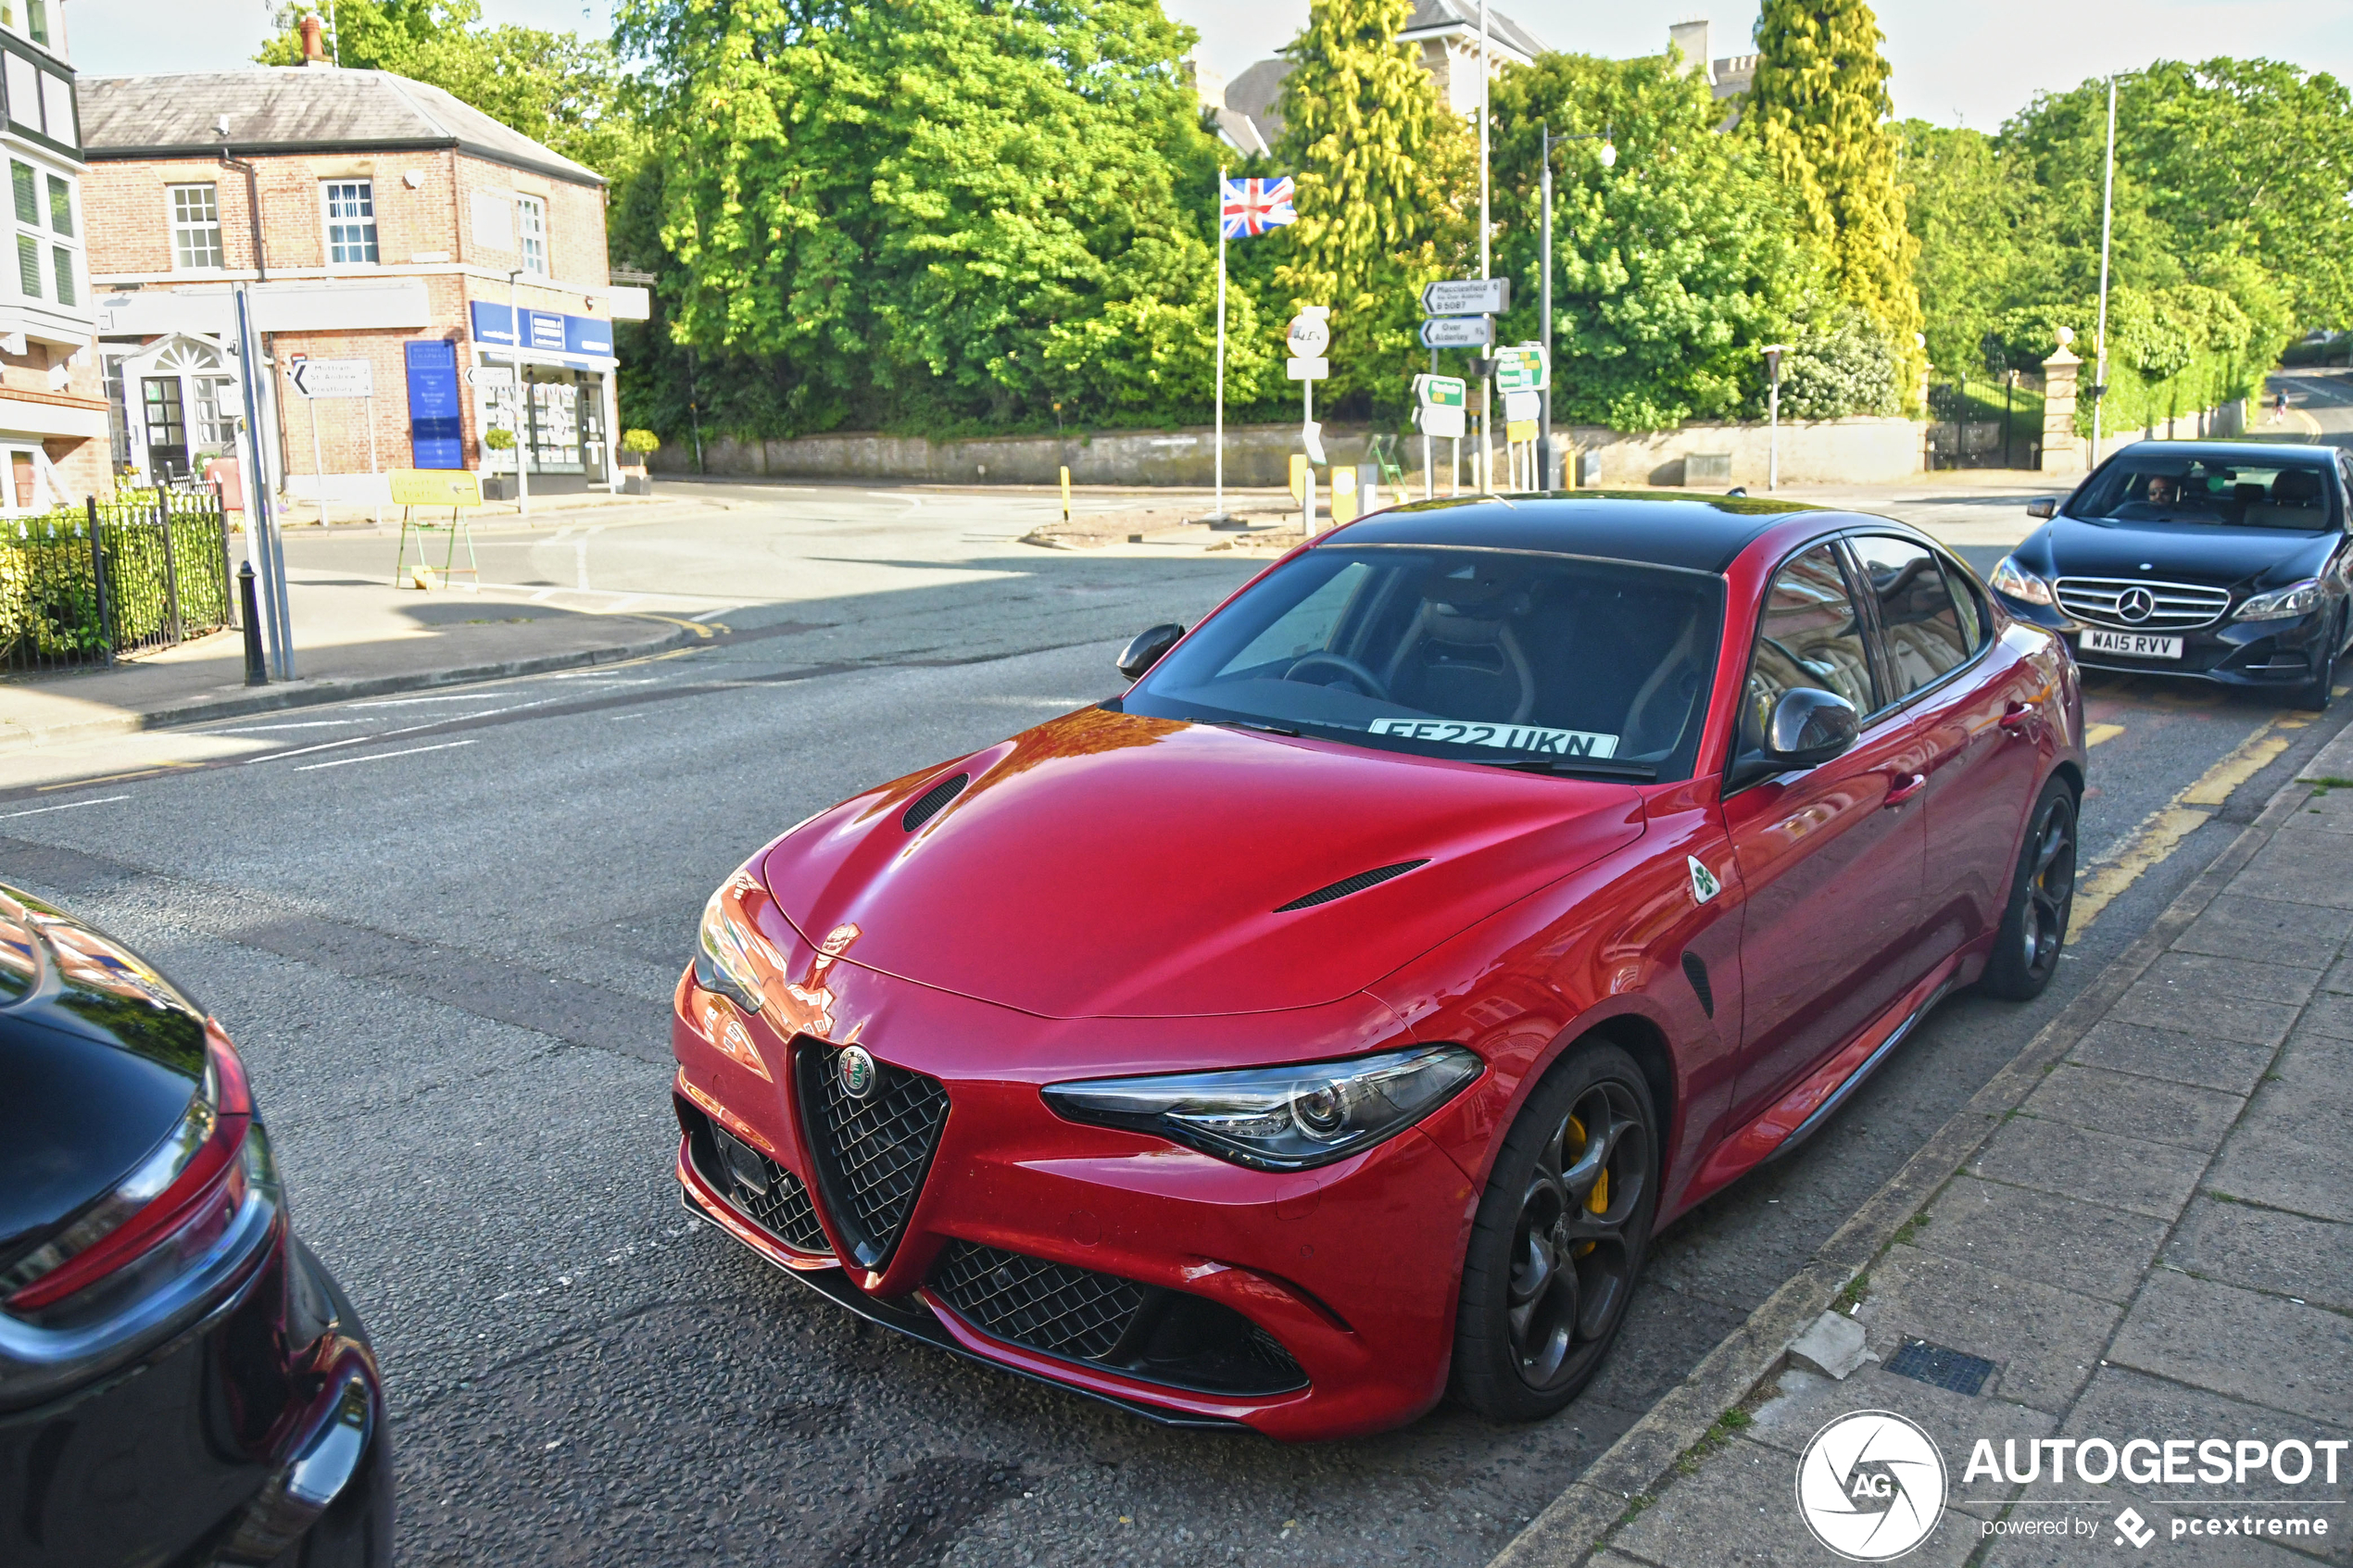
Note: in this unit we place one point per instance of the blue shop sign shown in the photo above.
(544, 331)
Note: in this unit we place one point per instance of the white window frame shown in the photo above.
(366, 224)
(531, 234)
(55, 255)
(181, 227)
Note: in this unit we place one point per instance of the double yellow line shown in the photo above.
(2161, 832)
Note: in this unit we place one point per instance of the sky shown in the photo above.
(1972, 62)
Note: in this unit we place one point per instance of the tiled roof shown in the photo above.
(289, 109)
(1451, 16)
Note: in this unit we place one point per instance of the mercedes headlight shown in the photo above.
(1277, 1118)
(2296, 598)
(724, 950)
(2020, 584)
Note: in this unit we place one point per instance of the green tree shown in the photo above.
(565, 92)
(1672, 269)
(1980, 221)
(1818, 106)
(935, 211)
(1380, 167)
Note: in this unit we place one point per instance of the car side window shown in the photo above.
(1919, 620)
(1969, 600)
(1809, 635)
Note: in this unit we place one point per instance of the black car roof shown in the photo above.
(1694, 532)
(2264, 453)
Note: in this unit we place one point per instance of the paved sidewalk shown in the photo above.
(352, 638)
(2153, 1240)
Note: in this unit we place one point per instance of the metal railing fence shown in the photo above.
(83, 586)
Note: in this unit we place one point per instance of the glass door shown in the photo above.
(167, 421)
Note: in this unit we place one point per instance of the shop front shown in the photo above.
(555, 394)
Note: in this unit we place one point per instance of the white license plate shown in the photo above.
(2131, 644)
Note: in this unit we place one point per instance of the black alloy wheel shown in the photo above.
(1560, 1238)
(2026, 952)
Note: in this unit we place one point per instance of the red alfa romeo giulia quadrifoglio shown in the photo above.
(1334, 1017)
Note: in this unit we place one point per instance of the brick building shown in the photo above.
(52, 420)
(372, 218)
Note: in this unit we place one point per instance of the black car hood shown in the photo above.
(99, 1057)
(2178, 552)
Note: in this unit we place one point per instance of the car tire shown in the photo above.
(2026, 951)
(1559, 1238)
(2315, 693)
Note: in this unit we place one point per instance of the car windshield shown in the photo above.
(1544, 661)
(2158, 486)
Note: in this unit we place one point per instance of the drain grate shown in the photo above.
(1941, 1368)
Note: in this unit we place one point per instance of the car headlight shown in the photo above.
(723, 952)
(2020, 584)
(2296, 598)
(1277, 1118)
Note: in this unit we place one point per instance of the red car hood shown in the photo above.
(1110, 865)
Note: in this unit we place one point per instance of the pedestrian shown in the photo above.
(2279, 406)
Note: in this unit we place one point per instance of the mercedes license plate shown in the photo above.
(2131, 644)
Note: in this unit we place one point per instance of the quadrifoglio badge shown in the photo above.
(1871, 1485)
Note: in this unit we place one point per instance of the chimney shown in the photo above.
(313, 53)
(1690, 39)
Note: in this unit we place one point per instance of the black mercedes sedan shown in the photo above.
(2219, 561)
(181, 1382)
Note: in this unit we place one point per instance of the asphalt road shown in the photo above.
(444, 927)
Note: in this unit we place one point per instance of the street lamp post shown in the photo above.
(1773, 352)
(2107, 207)
(522, 399)
(1487, 382)
(1544, 333)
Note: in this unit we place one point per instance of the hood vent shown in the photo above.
(930, 803)
(1348, 885)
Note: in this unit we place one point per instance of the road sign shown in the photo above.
(436, 487)
(333, 378)
(1467, 296)
(1439, 419)
(1457, 331)
(1520, 430)
(1524, 368)
(1440, 392)
(1310, 333)
(1310, 436)
(1308, 370)
(490, 375)
(1522, 408)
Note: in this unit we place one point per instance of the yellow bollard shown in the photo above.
(1299, 477)
(1343, 494)
(1065, 493)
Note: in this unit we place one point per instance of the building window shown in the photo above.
(34, 226)
(531, 219)
(61, 205)
(196, 227)
(29, 265)
(351, 221)
(66, 292)
(26, 185)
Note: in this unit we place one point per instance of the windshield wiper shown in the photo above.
(1586, 767)
(1247, 725)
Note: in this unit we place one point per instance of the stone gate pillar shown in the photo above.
(2062, 449)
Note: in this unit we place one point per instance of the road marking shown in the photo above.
(305, 724)
(580, 559)
(68, 805)
(2099, 732)
(116, 778)
(381, 755)
(2161, 832)
(711, 614)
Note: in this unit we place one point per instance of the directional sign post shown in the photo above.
(1526, 368)
(322, 380)
(1438, 403)
(1467, 296)
(1310, 334)
(1457, 331)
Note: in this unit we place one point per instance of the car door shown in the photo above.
(1976, 703)
(1831, 856)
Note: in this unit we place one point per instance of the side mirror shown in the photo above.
(1144, 652)
(1810, 727)
(2042, 506)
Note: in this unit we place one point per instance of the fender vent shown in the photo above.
(1696, 973)
(1348, 885)
(929, 804)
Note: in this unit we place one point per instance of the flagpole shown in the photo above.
(1218, 513)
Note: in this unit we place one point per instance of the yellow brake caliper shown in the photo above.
(1599, 1202)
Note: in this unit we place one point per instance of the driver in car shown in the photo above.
(2164, 491)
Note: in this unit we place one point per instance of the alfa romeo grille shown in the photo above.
(2173, 606)
(1049, 1306)
(870, 1152)
(784, 1210)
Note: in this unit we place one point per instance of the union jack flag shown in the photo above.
(1253, 206)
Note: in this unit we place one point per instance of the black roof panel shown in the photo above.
(2269, 454)
(1698, 534)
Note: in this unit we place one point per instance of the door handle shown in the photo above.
(1903, 789)
(2018, 717)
